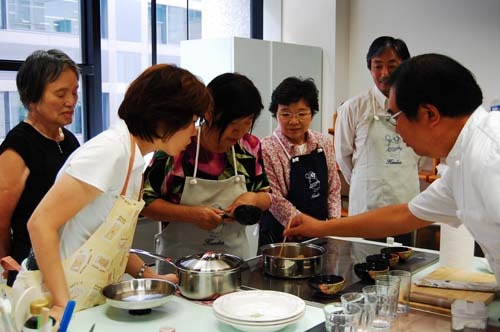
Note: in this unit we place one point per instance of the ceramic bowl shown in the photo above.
(391, 259)
(368, 271)
(327, 284)
(403, 252)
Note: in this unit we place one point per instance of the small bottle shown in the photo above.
(495, 104)
(33, 322)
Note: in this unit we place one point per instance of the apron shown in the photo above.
(101, 260)
(386, 171)
(308, 192)
(180, 239)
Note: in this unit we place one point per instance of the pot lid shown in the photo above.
(209, 262)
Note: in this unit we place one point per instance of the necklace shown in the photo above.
(57, 140)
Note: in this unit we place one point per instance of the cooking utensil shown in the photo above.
(204, 276)
(245, 214)
(298, 260)
(287, 228)
(139, 294)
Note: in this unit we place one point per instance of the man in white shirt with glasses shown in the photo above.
(436, 103)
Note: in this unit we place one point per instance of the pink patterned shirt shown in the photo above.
(277, 167)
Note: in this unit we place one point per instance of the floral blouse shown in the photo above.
(278, 170)
(164, 177)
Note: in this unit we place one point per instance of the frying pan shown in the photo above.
(139, 294)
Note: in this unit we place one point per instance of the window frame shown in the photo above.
(91, 68)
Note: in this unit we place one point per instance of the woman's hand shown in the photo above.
(169, 277)
(208, 217)
(259, 199)
(56, 312)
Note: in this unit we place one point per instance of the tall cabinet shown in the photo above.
(266, 63)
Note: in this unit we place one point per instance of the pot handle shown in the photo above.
(155, 256)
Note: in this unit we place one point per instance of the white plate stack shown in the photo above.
(259, 310)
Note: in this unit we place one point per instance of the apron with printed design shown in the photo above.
(308, 192)
(386, 171)
(102, 259)
(180, 239)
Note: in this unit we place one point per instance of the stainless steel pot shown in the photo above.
(298, 260)
(204, 276)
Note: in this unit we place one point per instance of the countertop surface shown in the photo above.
(185, 315)
(179, 313)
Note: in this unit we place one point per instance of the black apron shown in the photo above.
(308, 192)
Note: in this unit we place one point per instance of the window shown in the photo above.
(12, 111)
(104, 18)
(128, 20)
(46, 16)
(125, 50)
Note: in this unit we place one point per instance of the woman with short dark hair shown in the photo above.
(83, 228)
(221, 169)
(299, 161)
(35, 149)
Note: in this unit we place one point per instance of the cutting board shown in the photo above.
(439, 300)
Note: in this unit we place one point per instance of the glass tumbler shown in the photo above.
(340, 318)
(392, 292)
(367, 302)
(404, 290)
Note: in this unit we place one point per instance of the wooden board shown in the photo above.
(439, 300)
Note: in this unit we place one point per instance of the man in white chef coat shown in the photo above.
(380, 168)
(435, 104)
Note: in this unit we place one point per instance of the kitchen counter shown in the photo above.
(185, 315)
(182, 314)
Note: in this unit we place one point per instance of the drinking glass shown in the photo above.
(383, 317)
(367, 303)
(404, 290)
(392, 282)
(340, 318)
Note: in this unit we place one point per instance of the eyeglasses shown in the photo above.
(393, 119)
(287, 116)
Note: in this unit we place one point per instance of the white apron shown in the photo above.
(386, 171)
(101, 260)
(180, 239)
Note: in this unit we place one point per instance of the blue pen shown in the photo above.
(68, 312)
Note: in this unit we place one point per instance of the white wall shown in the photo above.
(466, 30)
(312, 23)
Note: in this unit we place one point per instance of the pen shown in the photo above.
(68, 312)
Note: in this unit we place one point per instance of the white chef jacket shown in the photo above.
(351, 128)
(469, 191)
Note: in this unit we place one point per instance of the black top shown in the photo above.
(43, 157)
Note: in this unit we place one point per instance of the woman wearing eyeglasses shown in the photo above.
(300, 162)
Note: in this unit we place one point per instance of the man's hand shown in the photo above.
(305, 226)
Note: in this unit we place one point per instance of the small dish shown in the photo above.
(327, 284)
(368, 271)
(403, 252)
(391, 259)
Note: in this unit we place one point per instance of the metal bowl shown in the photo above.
(298, 260)
(138, 294)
